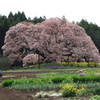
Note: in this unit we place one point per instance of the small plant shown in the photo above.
(81, 91)
(58, 79)
(96, 91)
(7, 83)
(84, 78)
(96, 97)
(68, 90)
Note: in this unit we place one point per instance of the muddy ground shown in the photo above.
(16, 94)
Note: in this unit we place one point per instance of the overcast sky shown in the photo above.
(73, 10)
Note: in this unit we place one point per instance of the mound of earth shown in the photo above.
(54, 40)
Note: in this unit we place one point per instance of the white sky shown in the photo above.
(73, 10)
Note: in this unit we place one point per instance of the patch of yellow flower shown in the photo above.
(80, 64)
(70, 89)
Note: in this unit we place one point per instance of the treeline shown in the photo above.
(12, 19)
(6, 22)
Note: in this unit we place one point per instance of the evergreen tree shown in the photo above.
(10, 15)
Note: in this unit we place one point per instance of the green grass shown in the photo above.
(36, 69)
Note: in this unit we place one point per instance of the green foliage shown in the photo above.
(68, 90)
(96, 97)
(30, 84)
(58, 79)
(85, 79)
(96, 90)
(7, 83)
(38, 20)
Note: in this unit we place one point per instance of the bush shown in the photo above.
(7, 83)
(57, 79)
(91, 78)
(68, 90)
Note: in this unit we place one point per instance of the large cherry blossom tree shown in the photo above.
(54, 40)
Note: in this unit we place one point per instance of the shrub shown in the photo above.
(58, 79)
(86, 78)
(68, 90)
(7, 83)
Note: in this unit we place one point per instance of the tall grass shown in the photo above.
(30, 84)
